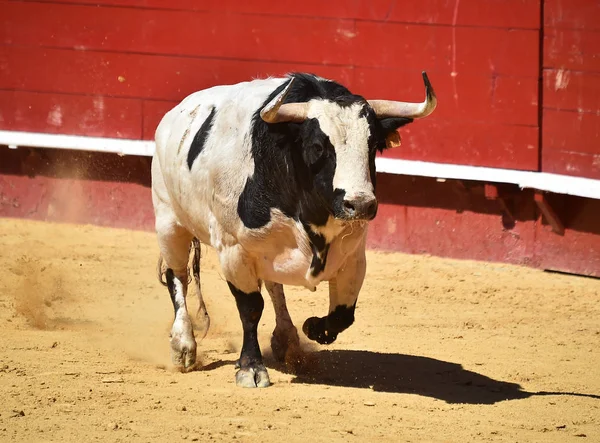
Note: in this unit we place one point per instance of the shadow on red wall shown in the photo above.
(76, 187)
(458, 219)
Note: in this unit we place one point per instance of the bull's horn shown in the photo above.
(277, 112)
(389, 108)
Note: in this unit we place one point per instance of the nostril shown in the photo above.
(349, 207)
(371, 208)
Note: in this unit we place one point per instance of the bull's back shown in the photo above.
(204, 182)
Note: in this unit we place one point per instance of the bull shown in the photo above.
(278, 176)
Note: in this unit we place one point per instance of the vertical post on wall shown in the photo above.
(541, 87)
(548, 213)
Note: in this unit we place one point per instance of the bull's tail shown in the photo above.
(161, 268)
(161, 271)
(196, 258)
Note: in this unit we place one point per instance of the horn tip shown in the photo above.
(428, 88)
(426, 79)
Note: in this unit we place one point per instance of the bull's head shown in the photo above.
(339, 140)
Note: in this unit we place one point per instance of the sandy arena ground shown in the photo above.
(441, 350)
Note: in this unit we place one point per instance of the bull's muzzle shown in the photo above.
(362, 207)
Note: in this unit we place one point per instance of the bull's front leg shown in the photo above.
(343, 293)
(285, 342)
(245, 287)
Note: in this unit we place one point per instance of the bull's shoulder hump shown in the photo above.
(238, 93)
(175, 127)
(187, 129)
(248, 95)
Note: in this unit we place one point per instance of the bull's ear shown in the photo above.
(390, 126)
(392, 140)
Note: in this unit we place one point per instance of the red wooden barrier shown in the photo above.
(98, 116)
(484, 13)
(481, 55)
(571, 88)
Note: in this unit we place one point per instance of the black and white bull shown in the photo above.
(278, 176)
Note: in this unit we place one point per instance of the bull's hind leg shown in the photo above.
(245, 287)
(174, 243)
(285, 342)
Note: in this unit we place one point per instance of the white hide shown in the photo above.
(349, 134)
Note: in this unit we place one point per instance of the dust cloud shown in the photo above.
(42, 290)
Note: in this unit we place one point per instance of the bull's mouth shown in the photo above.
(349, 220)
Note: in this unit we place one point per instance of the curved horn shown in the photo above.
(277, 112)
(389, 108)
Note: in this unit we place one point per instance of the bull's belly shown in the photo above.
(279, 252)
(275, 256)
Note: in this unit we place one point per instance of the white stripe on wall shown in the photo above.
(560, 184)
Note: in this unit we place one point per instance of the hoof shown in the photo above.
(284, 341)
(295, 360)
(315, 329)
(279, 346)
(184, 358)
(285, 345)
(254, 376)
(183, 348)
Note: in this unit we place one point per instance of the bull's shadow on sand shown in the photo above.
(409, 374)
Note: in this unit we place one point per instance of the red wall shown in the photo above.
(571, 88)
(113, 70)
